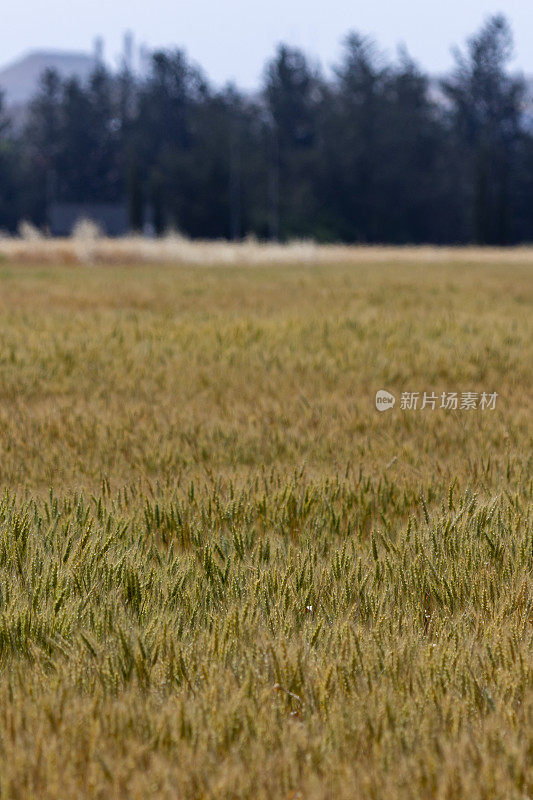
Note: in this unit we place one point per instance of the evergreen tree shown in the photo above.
(353, 142)
(485, 115)
(293, 94)
(42, 141)
(165, 131)
(415, 199)
(9, 174)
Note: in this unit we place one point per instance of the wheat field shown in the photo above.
(223, 572)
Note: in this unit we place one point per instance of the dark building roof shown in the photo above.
(111, 218)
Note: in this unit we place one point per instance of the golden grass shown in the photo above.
(224, 574)
(87, 247)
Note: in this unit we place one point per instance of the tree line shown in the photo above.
(375, 152)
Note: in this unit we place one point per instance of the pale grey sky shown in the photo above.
(232, 38)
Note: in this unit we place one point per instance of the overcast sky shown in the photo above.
(232, 38)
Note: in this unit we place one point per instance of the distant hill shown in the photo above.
(19, 81)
